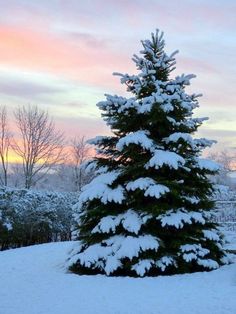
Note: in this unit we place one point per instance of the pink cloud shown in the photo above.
(185, 14)
(78, 57)
(194, 64)
(84, 126)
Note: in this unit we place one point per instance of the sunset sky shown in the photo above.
(60, 55)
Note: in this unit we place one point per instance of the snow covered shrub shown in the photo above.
(147, 211)
(225, 208)
(30, 217)
(223, 193)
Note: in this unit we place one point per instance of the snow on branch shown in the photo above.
(140, 183)
(162, 157)
(208, 263)
(138, 138)
(110, 252)
(211, 235)
(184, 79)
(207, 164)
(164, 262)
(143, 266)
(186, 137)
(130, 220)
(149, 185)
(98, 140)
(99, 189)
(175, 137)
(180, 218)
(156, 190)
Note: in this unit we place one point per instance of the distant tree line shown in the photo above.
(43, 152)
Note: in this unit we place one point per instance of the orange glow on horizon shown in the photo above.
(13, 158)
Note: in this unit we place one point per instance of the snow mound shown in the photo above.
(33, 281)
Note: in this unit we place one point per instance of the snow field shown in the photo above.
(34, 281)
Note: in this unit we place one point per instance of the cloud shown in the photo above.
(82, 126)
(89, 40)
(64, 57)
(74, 104)
(20, 88)
(225, 138)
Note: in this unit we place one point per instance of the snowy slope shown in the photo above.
(33, 281)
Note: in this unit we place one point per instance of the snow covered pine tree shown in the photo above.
(147, 211)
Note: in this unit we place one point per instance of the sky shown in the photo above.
(60, 55)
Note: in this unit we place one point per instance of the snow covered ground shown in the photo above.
(33, 281)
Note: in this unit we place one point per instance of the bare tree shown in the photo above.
(225, 159)
(79, 154)
(5, 143)
(40, 146)
(16, 175)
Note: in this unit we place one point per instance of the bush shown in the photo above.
(31, 217)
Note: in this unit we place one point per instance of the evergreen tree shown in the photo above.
(147, 211)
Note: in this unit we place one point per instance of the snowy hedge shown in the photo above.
(225, 209)
(30, 217)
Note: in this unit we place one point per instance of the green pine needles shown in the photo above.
(147, 211)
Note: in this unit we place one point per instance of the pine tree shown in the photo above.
(147, 211)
